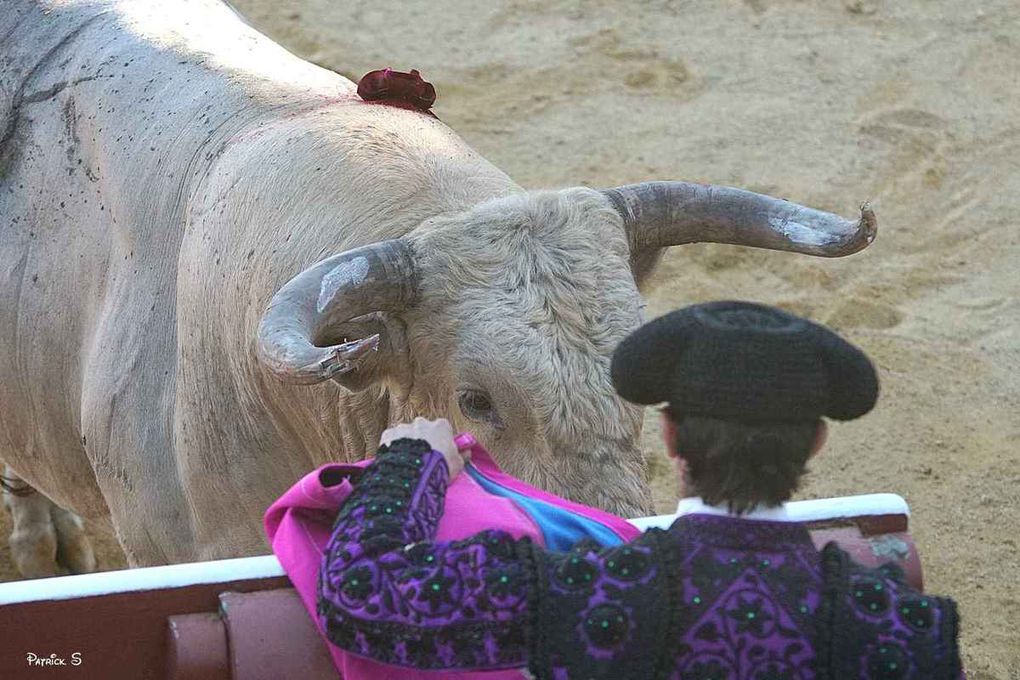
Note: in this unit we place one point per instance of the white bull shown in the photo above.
(165, 170)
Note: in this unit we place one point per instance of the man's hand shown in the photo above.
(439, 435)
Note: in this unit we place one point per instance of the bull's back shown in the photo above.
(169, 168)
(111, 115)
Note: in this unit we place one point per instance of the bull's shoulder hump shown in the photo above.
(33, 40)
(46, 44)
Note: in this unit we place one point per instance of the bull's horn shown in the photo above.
(373, 278)
(659, 214)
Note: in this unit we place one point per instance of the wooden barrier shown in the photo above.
(115, 621)
(240, 619)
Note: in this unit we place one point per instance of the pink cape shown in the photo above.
(299, 523)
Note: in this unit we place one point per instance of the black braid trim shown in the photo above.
(671, 583)
(951, 665)
(539, 661)
(835, 588)
(405, 445)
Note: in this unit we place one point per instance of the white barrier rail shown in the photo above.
(144, 578)
(819, 510)
(267, 566)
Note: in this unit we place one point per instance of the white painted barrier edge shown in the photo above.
(145, 578)
(267, 566)
(865, 505)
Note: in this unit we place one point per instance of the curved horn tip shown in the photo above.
(321, 364)
(868, 222)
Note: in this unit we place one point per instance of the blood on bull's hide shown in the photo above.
(219, 268)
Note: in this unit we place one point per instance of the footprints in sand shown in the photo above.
(918, 139)
(600, 61)
(849, 310)
(911, 118)
(854, 7)
(905, 126)
(923, 157)
(666, 75)
(641, 69)
(855, 312)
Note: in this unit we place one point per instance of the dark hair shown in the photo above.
(743, 464)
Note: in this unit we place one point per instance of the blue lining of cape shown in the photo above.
(560, 527)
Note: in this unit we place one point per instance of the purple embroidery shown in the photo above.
(406, 601)
(711, 598)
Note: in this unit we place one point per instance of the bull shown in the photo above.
(219, 268)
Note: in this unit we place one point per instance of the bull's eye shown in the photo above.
(477, 406)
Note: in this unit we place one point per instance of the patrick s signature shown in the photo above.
(53, 660)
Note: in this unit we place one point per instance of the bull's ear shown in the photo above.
(300, 336)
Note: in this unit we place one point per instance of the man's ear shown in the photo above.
(821, 435)
(668, 433)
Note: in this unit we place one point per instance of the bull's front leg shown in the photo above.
(46, 539)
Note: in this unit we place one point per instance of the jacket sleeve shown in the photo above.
(872, 623)
(607, 612)
(388, 592)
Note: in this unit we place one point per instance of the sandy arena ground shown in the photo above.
(912, 104)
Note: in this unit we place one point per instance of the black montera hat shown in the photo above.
(747, 362)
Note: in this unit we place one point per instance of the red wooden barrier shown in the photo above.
(239, 619)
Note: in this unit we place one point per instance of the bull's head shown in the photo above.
(504, 318)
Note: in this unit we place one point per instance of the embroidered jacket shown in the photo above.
(711, 598)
